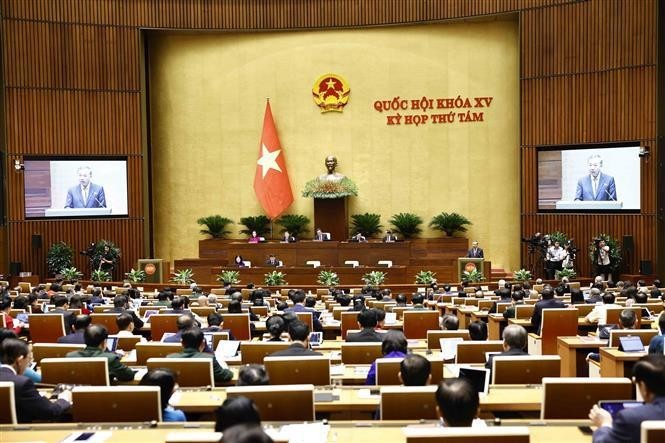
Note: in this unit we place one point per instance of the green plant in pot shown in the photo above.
(258, 223)
(450, 223)
(615, 251)
(368, 224)
(522, 275)
(296, 224)
(472, 276)
(70, 274)
(328, 278)
(135, 276)
(425, 278)
(275, 278)
(374, 279)
(215, 226)
(183, 277)
(98, 253)
(99, 275)
(60, 256)
(565, 272)
(229, 277)
(407, 224)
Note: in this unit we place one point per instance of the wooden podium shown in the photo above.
(331, 215)
(482, 265)
(156, 270)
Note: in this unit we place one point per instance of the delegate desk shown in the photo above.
(615, 363)
(573, 352)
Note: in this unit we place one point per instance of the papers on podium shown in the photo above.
(579, 205)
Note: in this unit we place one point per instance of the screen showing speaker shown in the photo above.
(75, 187)
(589, 178)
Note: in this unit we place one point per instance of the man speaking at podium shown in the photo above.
(596, 186)
(85, 194)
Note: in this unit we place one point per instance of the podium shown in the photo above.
(579, 205)
(77, 212)
(470, 263)
(156, 270)
(331, 215)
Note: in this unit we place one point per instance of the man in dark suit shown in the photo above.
(596, 186)
(216, 324)
(95, 346)
(193, 344)
(61, 304)
(389, 237)
(15, 356)
(367, 322)
(475, 251)
(272, 261)
(299, 334)
(514, 343)
(298, 299)
(287, 238)
(547, 302)
(595, 296)
(85, 194)
(656, 343)
(121, 306)
(80, 323)
(649, 376)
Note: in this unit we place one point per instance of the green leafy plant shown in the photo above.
(368, 224)
(425, 277)
(473, 276)
(450, 223)
(60, 256)
(328, 278)
(275, 278)
(565, 272)
(71, 274)
(296, 224)
(100, 276)
(615, 251)
(183, 277)
(259, 223)
(98, 253)
(522, 275)
(407, 224)
(135, 275)
(215, 225)
(558, 236)
(318, 188)
(374, 278)
(229, 277)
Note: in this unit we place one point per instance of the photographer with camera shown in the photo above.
(601, 259)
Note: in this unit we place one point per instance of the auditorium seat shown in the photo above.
(190, 372)
(255, 352)
(162, 323)
(502, 434)
(418, 322)
(7, 403)
(96, 404)
(46, 328)
(313, 370)
(360, 353)
(572, 397)
(645, 335)
(279, 402)
(652, 431)
(144, 351)
(433, 337)
(474, 351)
(75, 371)
(107, 319)
(524, 369)
(555, 323)
(53, 350)
(408, 403)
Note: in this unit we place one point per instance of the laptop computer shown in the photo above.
(631, 343)
(479, 378)
(614, 406)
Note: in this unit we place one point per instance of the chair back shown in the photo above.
(652, 431)
(53, 350)
(503, 434)
(161, 323)
(239, 325)
(645, 335)
(360, 353)
(314, 370)
(307, 318)
(524, 311)
(202, 311)
(99, 309)
(190, 372)
(387, 371)
(255, 352)
(583, 309)
(556, 323)
(143, 309)
(613, 315)
(400, 310)
(434, 336)
(155, 349)
(127, 342)
(261, 311)
(116, 404)
(217, 337)
(46, 328)
(276, 402)
(485, 305)
(524, 369)
(408, 403)
(218, 291)
(474, 351)
(349, 321)
(572, 397)
(418, 322)
(337, 312)
(7, 403)
(75, 371)
(107, 319)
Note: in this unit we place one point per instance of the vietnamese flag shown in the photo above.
(271, 181)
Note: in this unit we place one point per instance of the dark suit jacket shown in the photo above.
(477, 253)
(537, 318)
(656, 344)
(30, 405)
(367, 334)
(96, 197)
(605, 191)
(626, 424)
(117, 370)
(75, 338)
(508, 353)
(138, 323)
(300, 308)
(295, 350)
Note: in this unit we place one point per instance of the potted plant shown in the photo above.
(565, 272)
(522, 275)
(374, 278)
(450, 223)
(183, 277)
(328, 278)
(259, 223)
(215, 225)
(135, 276)
(368, 224)
(425, 278)
(296, 224)
(407, 224)
(71, 274)
(472, 276)
(275, 278)
(100, 276)
(59, 257)
(229, 277)
(98, 253)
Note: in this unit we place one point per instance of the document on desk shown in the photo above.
(302, 433)
(336, 369)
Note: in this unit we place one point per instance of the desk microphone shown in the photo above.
(609, 195)
(102, 205)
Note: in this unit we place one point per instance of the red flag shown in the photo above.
(271, 181)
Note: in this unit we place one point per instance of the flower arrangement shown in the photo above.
(425, 277)
(318, 188)
(328, 278)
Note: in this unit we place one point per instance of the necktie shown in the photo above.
(595, 186)
(85, 196)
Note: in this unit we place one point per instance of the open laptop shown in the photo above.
(631, 343)
(391, 318)
(315, 339)
(614, 406)
(479, 378)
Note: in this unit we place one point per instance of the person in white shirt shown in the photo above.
(555, 256)
(125, 324)
(599, 313)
